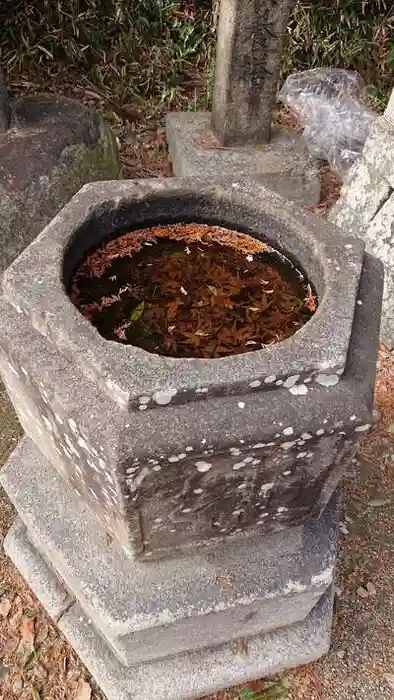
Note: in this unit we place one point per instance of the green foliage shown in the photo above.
(132, 50)
(353, 34)
(273, 690)
(159, 53)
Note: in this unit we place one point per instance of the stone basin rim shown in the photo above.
(34, 284)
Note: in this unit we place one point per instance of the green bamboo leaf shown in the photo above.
(137, 312)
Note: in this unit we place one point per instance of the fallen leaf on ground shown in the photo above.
(84, 691)
(5, 607)
(27, 630)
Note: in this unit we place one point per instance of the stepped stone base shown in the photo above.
(169, 628)
(283, 165)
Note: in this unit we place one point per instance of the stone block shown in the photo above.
(283, 165)
(174, 454)
(54, 146)
(180, 604)
(189, 675)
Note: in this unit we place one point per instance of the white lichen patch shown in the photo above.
(164, 397)
(255, 384)
(144, 399)
(320, 431)
(235, 451)
(241, 404)
(288, 431)
(203, 466)
(291, 381)
(266, 488)
(362, 428)
(288, 445)
(327, 380)
(298, 390)
(270, 379)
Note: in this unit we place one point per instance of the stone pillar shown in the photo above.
(237, 140)
(250, 39)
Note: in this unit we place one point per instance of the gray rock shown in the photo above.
(54, 146)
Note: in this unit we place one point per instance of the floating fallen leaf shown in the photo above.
(137, 312)
(84, 691)
(5, 607)
(371, 588)
(362, 593)
(390, 429)
(242, 646)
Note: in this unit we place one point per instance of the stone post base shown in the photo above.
(283, 165)
(169, 628)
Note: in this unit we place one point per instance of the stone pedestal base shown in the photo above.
(169, 628)
(283, 165)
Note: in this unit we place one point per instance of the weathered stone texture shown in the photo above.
(250, 39)
(366, 209)
(172, 454)
(283, 165)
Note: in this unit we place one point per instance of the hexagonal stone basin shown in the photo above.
(192, 290)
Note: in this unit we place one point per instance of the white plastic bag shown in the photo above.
(329, 105)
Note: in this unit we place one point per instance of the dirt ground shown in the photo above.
(36, 663)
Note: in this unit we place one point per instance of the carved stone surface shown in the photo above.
(173, 454)
(248, 58)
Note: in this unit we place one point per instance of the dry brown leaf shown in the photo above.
(27, 630)
(5, 607)
(84, 691)
(42, 633)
